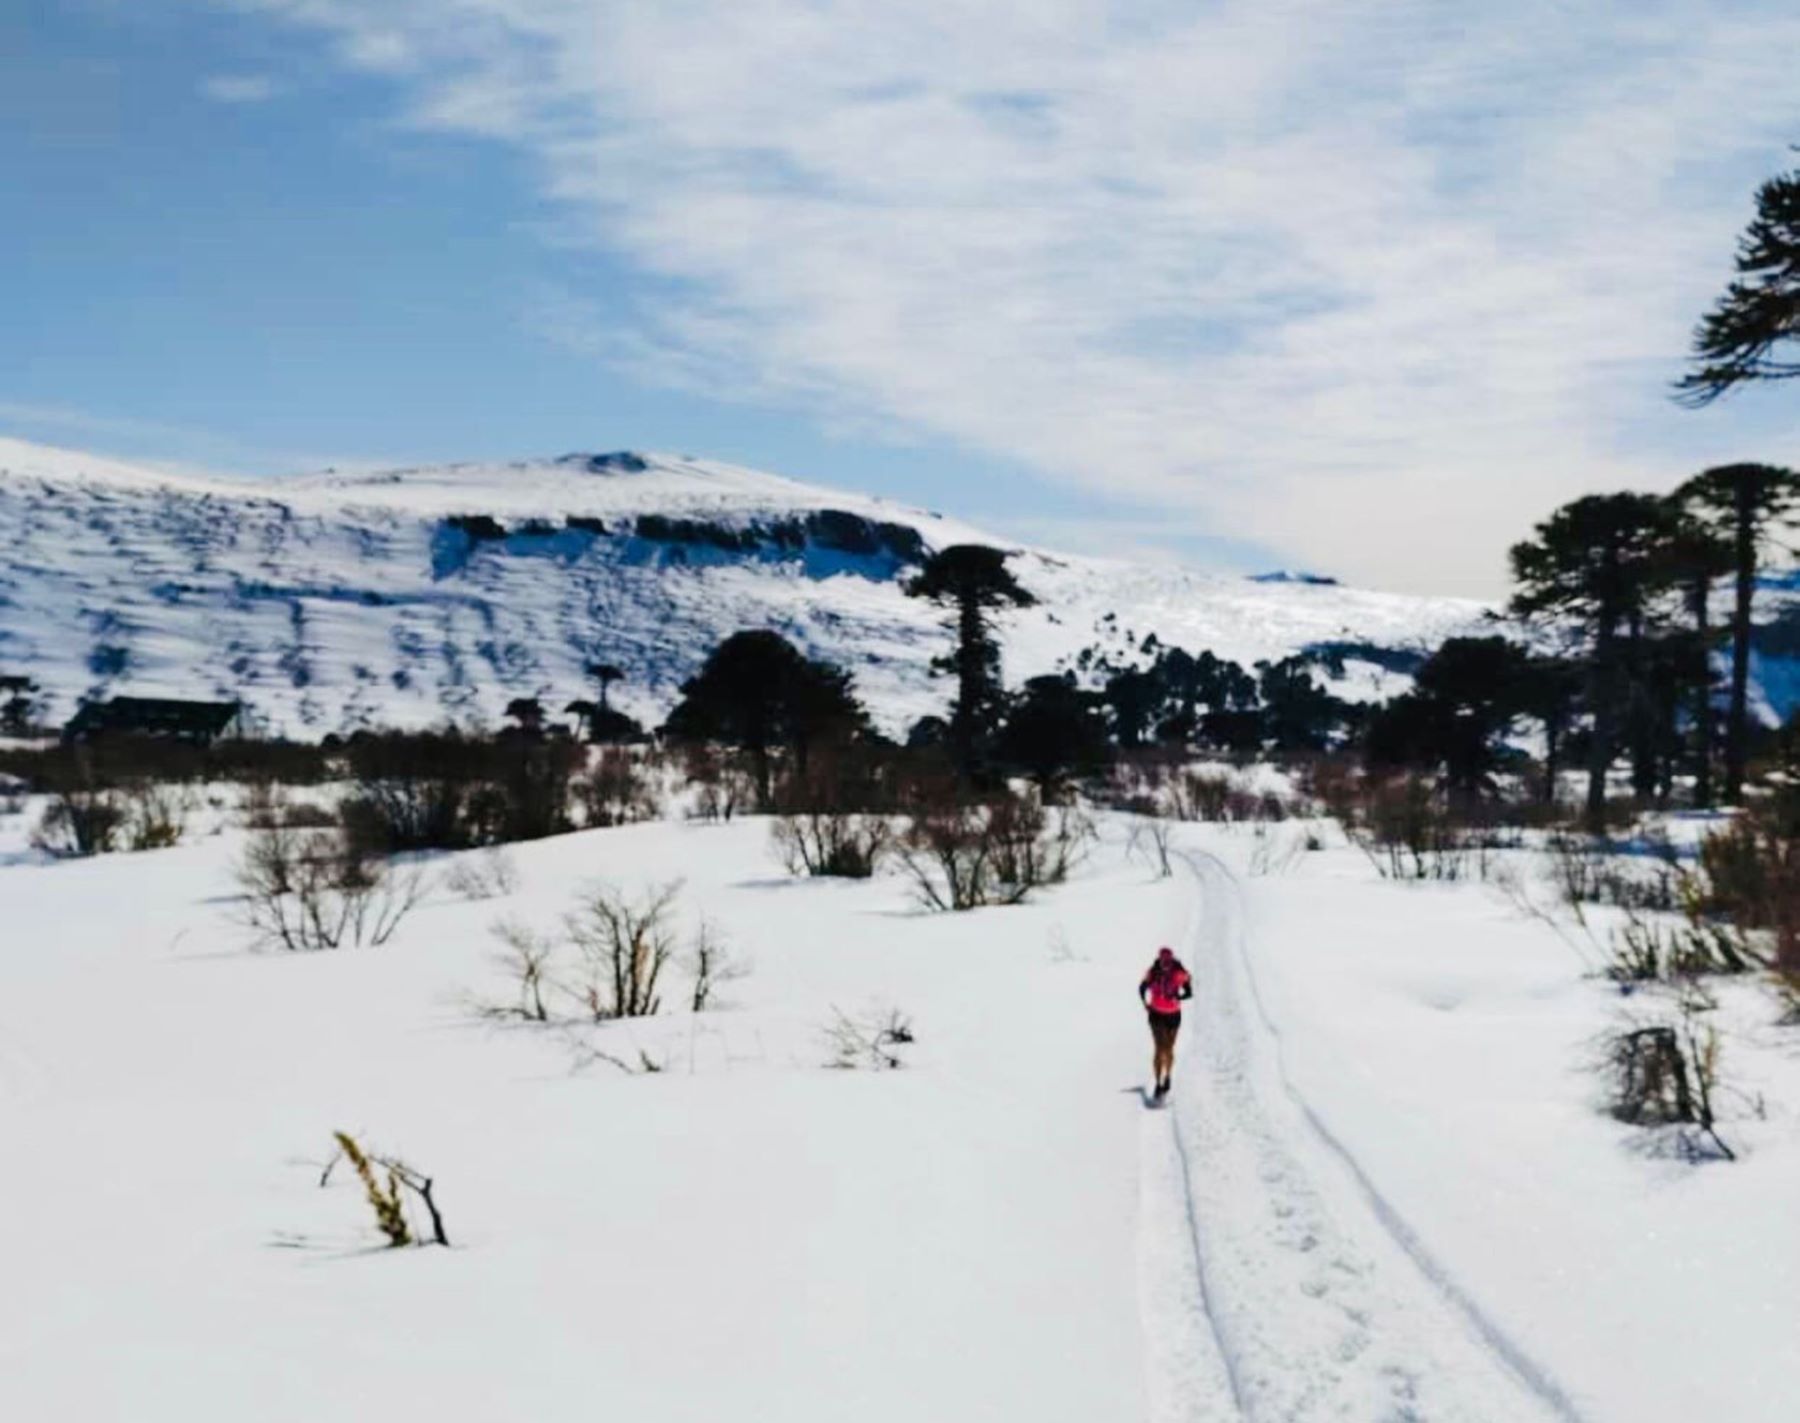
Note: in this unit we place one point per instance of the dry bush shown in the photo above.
(441, 791)
(1647, 949)
(870, 1040)
(1410, 832)
(155, 815)
(1199, 795)
(624, 944)
(1668, 1073)
(617, 790)
(387, 1197)
(80, 821)
(527, 958)
(829, 843)
(608, 961)
(1752, 871)
(722, 785)
(1333, 784)
(1150, 841)
(712, 964)
(1588, 870)
(487, 874)
(265, 805)
(307, 890)
(965, 853)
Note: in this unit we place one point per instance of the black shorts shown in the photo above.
(1164, 1026)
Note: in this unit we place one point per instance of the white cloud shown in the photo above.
(1376, 283)
(239, 88)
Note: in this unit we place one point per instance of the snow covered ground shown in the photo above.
(1383, 1189)
(328, 602)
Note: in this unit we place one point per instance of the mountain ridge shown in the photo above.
(338, 599)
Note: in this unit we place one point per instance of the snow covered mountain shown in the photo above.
(409, 597)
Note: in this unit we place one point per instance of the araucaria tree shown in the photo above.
(1599, 560)
(1759, 314)
(973, 582)
(1741, 503)
(759, 692)
(1465, 701)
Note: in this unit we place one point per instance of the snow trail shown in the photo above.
(1312, 1298)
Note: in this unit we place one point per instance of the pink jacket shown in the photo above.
(1165, 986)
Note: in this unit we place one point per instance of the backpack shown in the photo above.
(1165, 978)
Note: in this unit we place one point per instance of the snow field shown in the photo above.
(745, 1234)
(1384, 1188)
(1443, 1047)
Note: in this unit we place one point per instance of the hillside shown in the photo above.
(408, 597)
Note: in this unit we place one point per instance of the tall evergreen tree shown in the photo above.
(1743, 503)
(605, 673)
(1759, 314)
(757, 691)
(1550, 694)
(1698, 556)
(973, 582)
(1052, 730)
(1599, 560)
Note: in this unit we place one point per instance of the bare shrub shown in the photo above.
(1409, 832)
(307, 890)
(1200, 795)
(830, 843)
(155, 815)
(487, 874)
(526, 957)
(1274, 853)
(387, 1183)
(722, 785)
(869, 1040)
(624, 944)
(1034, 846)
(608, 961)
(616, 790)
(1150, 842)
(1588, 870)
(1667, 1074)
(712, 964)
(1663, 947)
(80, 821)
(1752, 870)
(965, 853)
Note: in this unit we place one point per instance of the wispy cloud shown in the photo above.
(239, 88)
(1370, 281)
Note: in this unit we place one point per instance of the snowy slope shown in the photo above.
(409, 597)
(1382, 1190)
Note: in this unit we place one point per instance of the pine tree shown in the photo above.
(1697, 557)
(973, 582)
(1600, 560)
(1742, 503)
(758, 691)
(1760, 311)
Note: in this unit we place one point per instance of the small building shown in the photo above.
(198, 723)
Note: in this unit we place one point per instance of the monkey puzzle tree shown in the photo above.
(1697, 555)
(605, 673)
(758, 691)
(1598, 560)
(1741, 503)
(973, 582)
(1464, 702)
(1759, 313)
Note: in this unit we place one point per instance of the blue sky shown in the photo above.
(1249, 284)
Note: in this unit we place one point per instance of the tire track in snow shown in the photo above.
(1190, 1376)
(1315, 1298)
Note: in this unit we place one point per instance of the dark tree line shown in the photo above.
(1627, 581)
